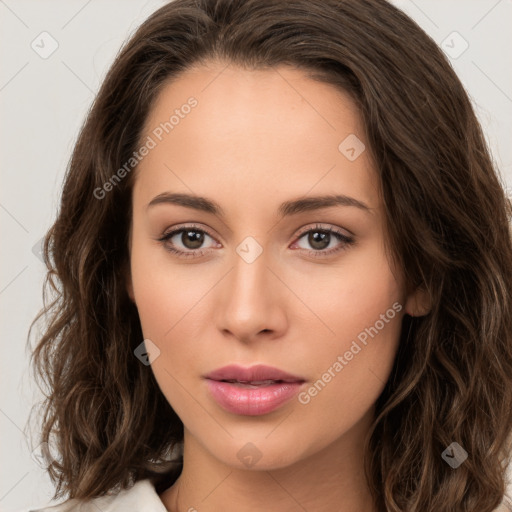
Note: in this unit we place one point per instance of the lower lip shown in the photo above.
(252, 401)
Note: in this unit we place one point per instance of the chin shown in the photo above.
(259, 455)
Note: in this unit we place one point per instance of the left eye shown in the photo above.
(320, 239)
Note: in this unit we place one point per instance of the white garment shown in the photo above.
(142, 497)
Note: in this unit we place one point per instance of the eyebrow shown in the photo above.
(287, 208)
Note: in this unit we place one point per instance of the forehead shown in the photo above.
(235, 95)
(260, 131)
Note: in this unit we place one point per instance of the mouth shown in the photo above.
(252, 391)
(257, 375)
(256, 384)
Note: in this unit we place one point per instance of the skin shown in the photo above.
(255, 140)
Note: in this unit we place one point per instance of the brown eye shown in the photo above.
(319, 239)
(192, 239)
(186, 241)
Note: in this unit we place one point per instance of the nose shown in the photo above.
(252, 303)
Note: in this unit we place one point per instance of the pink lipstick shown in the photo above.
(252, 391)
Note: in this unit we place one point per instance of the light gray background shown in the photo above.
(43, 103)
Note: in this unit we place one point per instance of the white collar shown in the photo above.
(141, 497)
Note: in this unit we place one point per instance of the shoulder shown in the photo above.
(506, 504)
(141, 497)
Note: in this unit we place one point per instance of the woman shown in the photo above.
(282, 267)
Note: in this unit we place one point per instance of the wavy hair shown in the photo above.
(448, 229)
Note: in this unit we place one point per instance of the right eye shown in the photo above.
(190, 238)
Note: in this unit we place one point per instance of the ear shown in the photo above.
(418, 303)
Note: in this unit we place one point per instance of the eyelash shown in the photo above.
(346, 241)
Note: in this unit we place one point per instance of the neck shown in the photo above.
(329, 479)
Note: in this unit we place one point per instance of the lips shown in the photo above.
(258, 375)
(252, 391)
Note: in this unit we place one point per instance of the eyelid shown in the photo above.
(332, 228)
(184, 226)
(305, 229)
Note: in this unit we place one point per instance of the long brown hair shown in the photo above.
(447, 220)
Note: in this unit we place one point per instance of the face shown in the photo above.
(309, 291)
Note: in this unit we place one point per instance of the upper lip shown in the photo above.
(254, 373)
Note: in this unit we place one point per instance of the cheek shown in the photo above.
(361, 313)
(165, 300)
(348, 377)
(350, 297)
(163, 294)
(172, 304)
